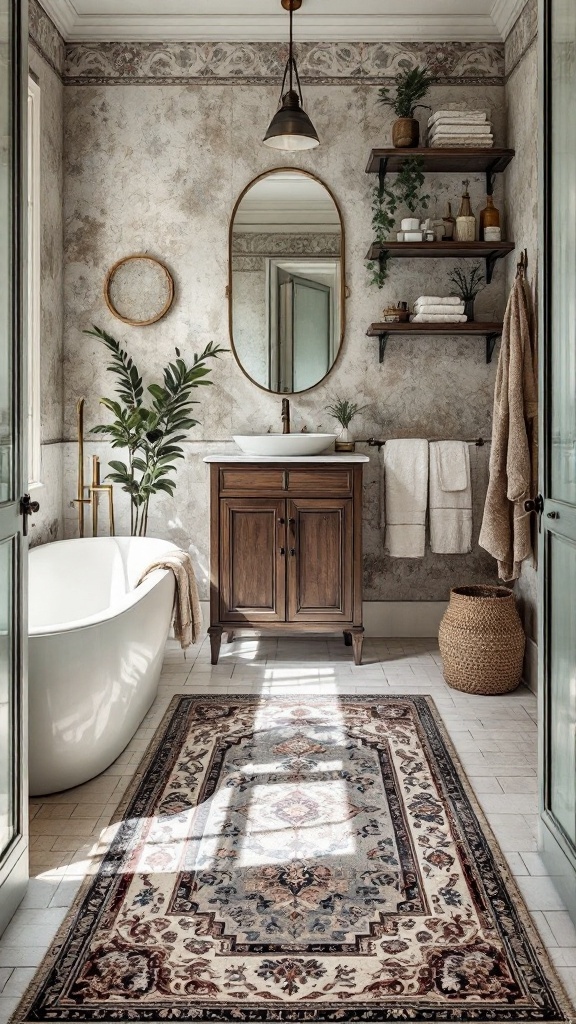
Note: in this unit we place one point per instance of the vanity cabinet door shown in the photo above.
(320, 560)
(252, 560)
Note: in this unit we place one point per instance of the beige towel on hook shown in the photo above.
(406, 486)
(505, 532)
(187, 611)
(450, 498)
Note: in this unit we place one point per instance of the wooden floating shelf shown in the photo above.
(490, 330)
(443, 159)
(488, 251)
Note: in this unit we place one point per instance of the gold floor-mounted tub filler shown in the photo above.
(87, 494)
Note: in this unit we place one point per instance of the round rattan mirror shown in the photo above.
(139, 290)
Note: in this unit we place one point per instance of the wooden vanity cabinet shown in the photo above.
(286, 550)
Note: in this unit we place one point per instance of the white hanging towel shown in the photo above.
(406, 488)
(450, 498)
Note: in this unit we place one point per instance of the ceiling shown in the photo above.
(256, 20)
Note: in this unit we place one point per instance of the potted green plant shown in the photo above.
(411, 86)
(344, 412)
(150, 431)
(467, 285)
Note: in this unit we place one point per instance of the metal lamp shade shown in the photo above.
(291, 129)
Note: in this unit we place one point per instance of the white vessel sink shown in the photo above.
(284, 445)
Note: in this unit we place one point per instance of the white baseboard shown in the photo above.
(530, 668)
(392, 618)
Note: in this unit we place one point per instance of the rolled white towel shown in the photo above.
(434, 318)
(439, 310)
(435, 300)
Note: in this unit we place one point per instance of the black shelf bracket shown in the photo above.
(382, 168)
(490, 343)
(491, 258)
(382, 341)
(490, 178)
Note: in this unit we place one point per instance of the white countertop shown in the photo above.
(332, 457)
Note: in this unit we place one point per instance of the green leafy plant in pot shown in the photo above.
(149, 426)
(411, 86)
(344, 412)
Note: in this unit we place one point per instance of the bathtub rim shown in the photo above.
(131, 598)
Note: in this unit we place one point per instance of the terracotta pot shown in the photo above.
(481, 640)
(405, 133)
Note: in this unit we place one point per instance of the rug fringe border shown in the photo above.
(19, 1014)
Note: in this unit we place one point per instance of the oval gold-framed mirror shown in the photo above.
(286, 286)
(139, 290)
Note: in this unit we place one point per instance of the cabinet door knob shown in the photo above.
(553, 515)
(292, 551)
(292, 521)
(282, 551)
(281, 521)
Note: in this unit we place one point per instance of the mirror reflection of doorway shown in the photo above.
(303, 323)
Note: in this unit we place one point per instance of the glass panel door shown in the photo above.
(557, 642)
(13, 771)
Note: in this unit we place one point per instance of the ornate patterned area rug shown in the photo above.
(289, 859)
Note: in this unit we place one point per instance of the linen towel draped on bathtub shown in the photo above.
(406, 492)
(505, 532)
(450, 498)
(187, 611)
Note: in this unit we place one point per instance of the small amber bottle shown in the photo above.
(490, 222)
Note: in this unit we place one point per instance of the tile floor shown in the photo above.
(494, 736)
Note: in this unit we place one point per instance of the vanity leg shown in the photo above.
(215, 634)
(230, 636)
(357, 641)
(347, 638)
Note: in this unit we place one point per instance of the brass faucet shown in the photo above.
(88, 494)
(285, 416)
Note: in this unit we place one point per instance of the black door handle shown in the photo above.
(534, 504)
(27, 507)
(553, 515)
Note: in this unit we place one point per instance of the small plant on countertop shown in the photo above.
(150, 431)
(411, 86)
(344, 411)
(403, 190)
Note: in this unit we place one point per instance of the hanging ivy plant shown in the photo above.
(388, 197)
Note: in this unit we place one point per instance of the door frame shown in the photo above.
(14, 862)
(557, 852)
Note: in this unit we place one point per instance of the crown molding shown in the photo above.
(505, 13)
(258, 28)
(63, 14)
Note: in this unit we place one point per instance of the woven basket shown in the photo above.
(481, 640)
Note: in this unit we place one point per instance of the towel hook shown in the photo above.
(522, 266)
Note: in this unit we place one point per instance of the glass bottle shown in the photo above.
(449, 224)
(465, 221)
(490, 222)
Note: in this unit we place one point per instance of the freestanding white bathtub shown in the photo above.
(95, 653)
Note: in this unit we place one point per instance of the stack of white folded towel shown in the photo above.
(460, 128)
(434, 309)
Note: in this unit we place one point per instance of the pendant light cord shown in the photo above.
(291, 47)
(291, 68)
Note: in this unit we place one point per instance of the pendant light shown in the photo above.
(291, 129)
